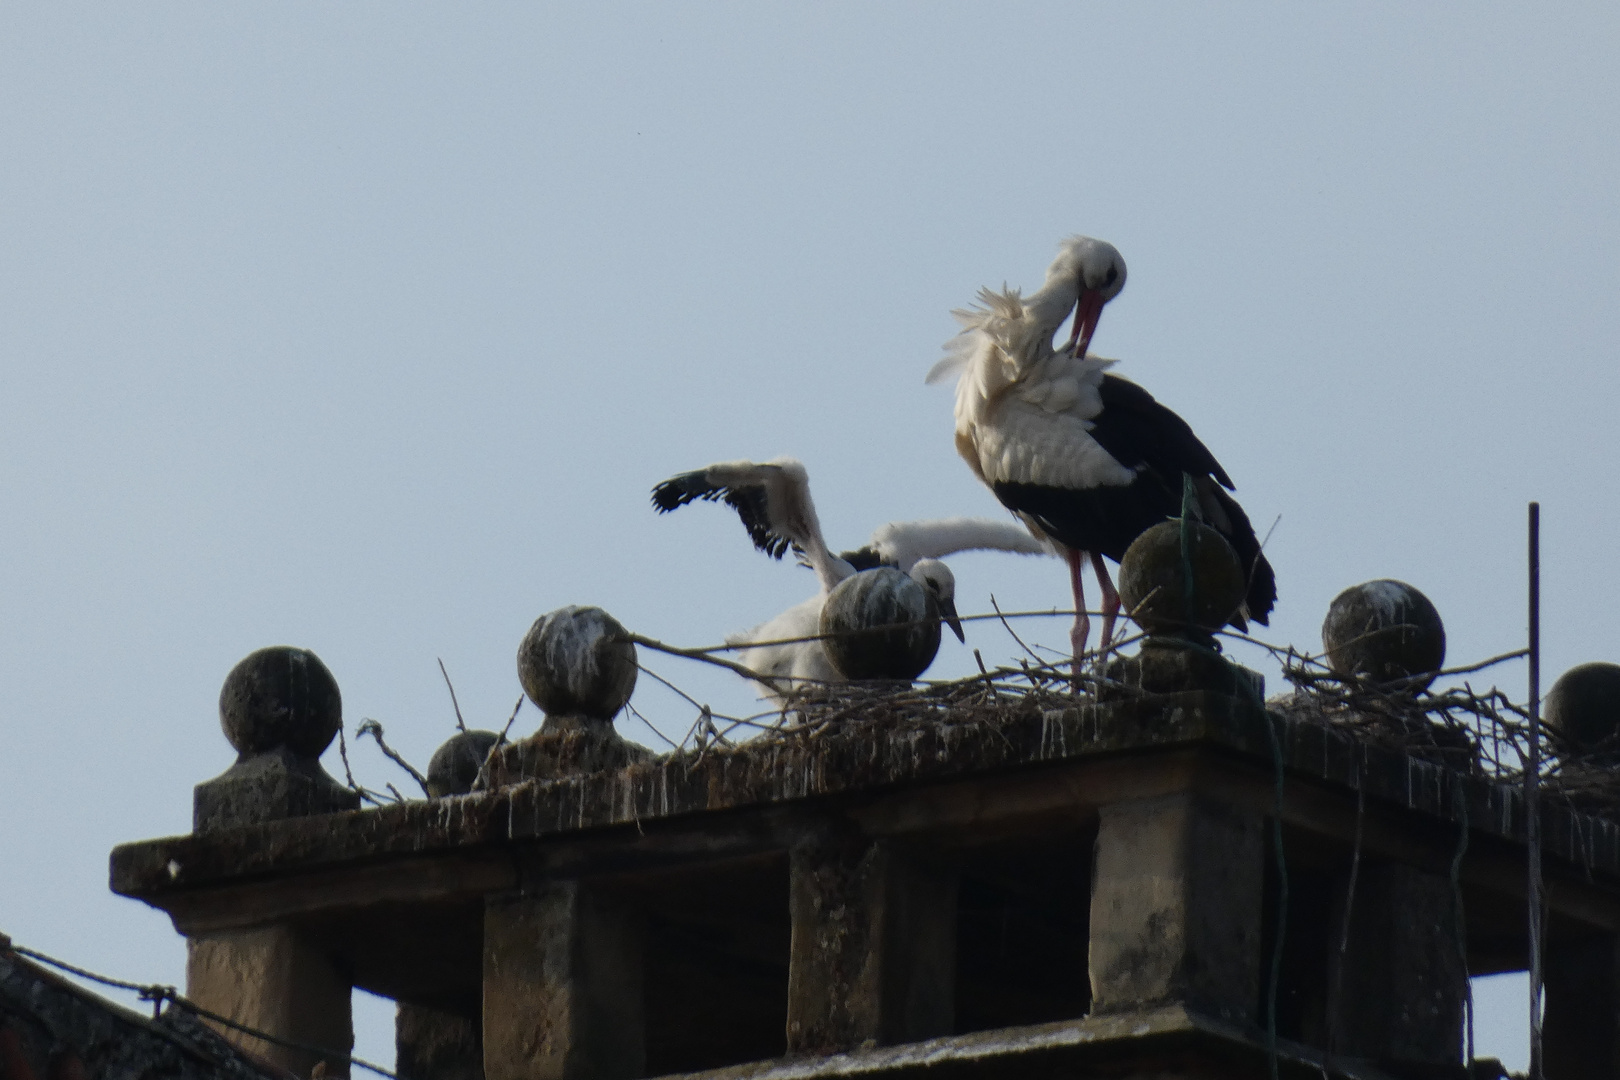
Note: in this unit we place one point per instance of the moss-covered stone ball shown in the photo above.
(1153, 584)
(1385, 630)
(1583, 709)
(881, 625)
(454, 766)
(280, 696)
(575, 661)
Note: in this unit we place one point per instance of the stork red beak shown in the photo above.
(1086, 314)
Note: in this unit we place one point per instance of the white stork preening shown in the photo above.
(1086, 459)
(773, 500)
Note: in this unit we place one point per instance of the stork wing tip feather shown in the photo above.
(750, 502)
(679, 490)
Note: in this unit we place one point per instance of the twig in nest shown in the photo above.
(696, 654)
(690, 700)
(738, 646)
(637, 714)
(708, 719)
(706, 728)
(501, 740)
(348, 773)
(460, 726)
(375, 730)
(1008, 626)
(990, 684)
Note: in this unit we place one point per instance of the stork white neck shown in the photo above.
(1087, 273)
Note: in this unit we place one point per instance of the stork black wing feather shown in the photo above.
(751, 505)
(679, 490)
(1158, 445)
(1262, 593)
(1137, 430)
(863, 558)
(749, 502)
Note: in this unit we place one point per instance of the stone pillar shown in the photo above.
(1401, 998)
(1176, 897)
(431, 1044)
(873, 955)
(280, 708)
(562, 986)
(272, 980)
(1580, 1034)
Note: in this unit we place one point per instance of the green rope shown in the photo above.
(1272, 721)
(1459, 920)
(1189, 500)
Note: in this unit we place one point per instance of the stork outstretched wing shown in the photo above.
(903, 544)
(773, 500)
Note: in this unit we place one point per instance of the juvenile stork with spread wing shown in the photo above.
(773, 500)
(1086, 459)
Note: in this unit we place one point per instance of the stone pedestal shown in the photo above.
(1168, 665)
(873, 953)
(280, 708)
(1581, 1031)
(1401, 996)
(430, 1044)
(265, 787)
(564, 746)
(272, 980)
(1176, 902)
(562, 986)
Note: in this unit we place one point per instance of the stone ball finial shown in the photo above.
(1583, 707)
(280, 696)
(575, 661)
(1385, 630)
(882, 625)
(454, 766)
(1153, 585)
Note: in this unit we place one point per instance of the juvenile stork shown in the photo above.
(1086, 459)
(773, 500)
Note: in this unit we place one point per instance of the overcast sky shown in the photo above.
(368, 328)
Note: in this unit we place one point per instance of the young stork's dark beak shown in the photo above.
(947, 611)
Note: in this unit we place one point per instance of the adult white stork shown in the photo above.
(1086, 459)
(773, 500)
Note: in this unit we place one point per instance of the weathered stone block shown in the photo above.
(1166, 665)
(456, 765)
(564, 746)
(430, 1044)
(280, 708)
(578, 661)
(1176, 906)
(1401, 996)
(562, 986)
(268, 786)
(873, 954)
(272, 980)
(1155, 588)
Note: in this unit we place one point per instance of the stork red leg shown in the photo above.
(1082, 623)
(1110, 604)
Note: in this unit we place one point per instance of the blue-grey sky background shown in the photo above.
(368, 327)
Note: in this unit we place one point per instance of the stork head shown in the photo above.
(1093, 273)
(940, 584)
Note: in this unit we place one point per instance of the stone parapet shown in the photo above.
(800, 896)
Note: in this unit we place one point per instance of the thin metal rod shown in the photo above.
(1532, 792)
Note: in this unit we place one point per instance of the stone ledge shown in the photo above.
(859, 759)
